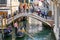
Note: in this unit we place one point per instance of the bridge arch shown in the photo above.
(28, 15)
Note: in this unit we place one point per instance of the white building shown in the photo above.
(8, 5)
(55, 7)
(4, 6)
(15, 5)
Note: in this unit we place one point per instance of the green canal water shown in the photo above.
(45, 34)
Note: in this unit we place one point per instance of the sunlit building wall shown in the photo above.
(4, 9)
(15, 5)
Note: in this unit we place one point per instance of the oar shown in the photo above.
(28, 34)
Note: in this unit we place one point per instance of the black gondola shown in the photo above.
(20, 32)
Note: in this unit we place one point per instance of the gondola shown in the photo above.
(20, 33)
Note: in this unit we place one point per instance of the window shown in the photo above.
(31, 0)
(21, 1)
(3, 2)
(26, 1)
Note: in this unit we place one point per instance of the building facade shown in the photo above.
(4, 6)
(56, 11)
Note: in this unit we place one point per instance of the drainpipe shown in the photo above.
(52, 10)
(56, 27)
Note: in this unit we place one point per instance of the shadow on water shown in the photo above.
(8, 38)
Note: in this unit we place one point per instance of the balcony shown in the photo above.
(3, 5)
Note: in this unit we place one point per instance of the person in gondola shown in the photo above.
(7, 32)
(20, 32)
(24, 22)
(16, 26)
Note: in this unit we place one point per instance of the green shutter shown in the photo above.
(22, 1)
(26, 1)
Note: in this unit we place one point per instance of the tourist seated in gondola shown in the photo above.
(7, 32)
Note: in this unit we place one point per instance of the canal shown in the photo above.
(44, 34)
(36, 31)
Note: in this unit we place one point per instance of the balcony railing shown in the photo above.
(3, 5)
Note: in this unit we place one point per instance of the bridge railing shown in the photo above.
(48, 21)
(34, 15)
(17, 16)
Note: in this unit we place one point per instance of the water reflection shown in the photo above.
(42, 35)
(35, 29)
(39, 33)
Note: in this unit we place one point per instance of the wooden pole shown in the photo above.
(12, 15)
(2, 30)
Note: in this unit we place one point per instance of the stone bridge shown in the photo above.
(33, 15)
